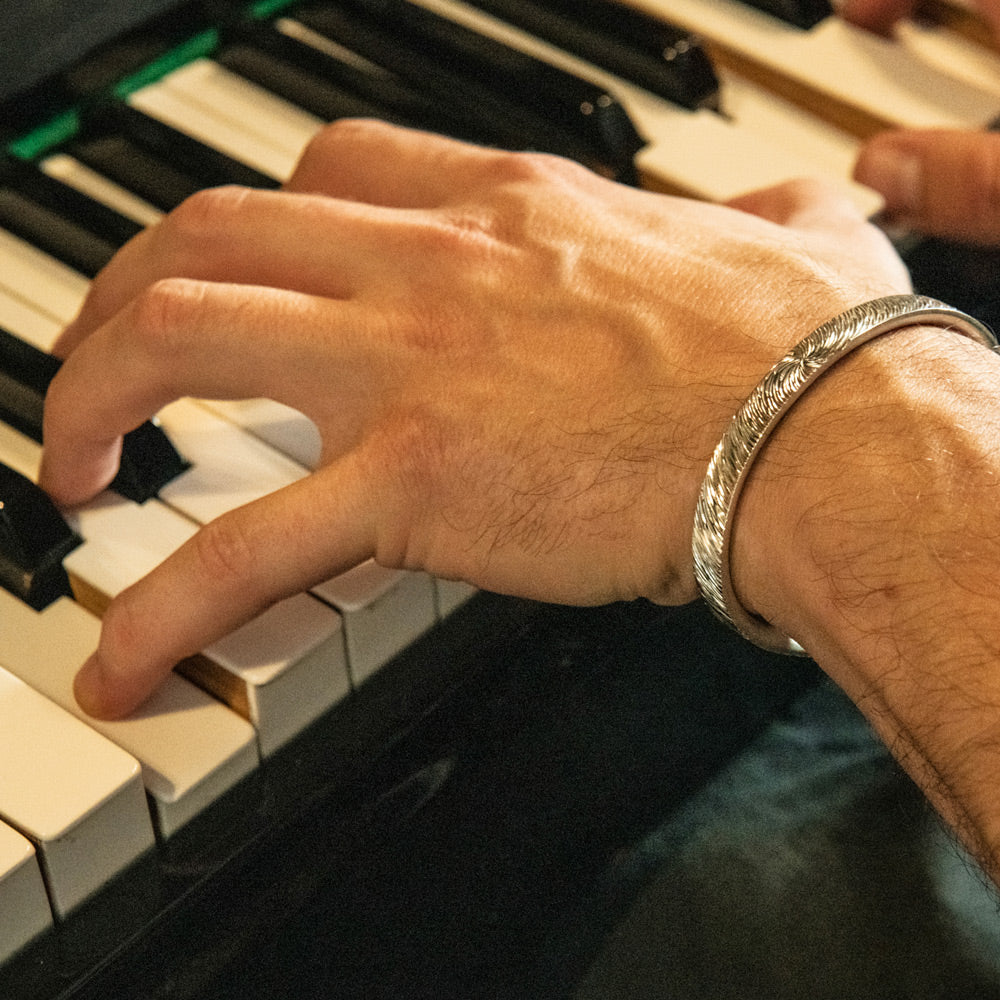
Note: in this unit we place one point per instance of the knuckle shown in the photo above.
(469, 234)
(163, 311)
(340, 134)
(226, 554)
(202, 217)
(505, 167)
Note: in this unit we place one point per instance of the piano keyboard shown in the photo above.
(791, 101)
(922, 78)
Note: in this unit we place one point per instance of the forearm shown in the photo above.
(868, 531)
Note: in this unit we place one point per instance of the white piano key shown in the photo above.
(171, 108)
(36, 278)
(884, 82)
(280, 671)
(702, 154)
(777, 123)
(74, 794)
(25, 321)
(123, 541)
(22, 893)
(384, 611)
(213, 88)
(950, 54)
(77, 175)
(191, 748)
(19, 452)
(228, 467)
(289, 665)
(450, 595)
(285, 429)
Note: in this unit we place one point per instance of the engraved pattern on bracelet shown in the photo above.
(760, 414)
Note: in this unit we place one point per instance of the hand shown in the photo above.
(941, 182)
(518, 370)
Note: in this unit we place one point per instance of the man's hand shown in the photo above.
(518, 369)
(941, 182)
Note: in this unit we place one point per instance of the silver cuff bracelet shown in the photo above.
(761, 413)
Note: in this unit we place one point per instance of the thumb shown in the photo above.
(875, 15)
(945, 183)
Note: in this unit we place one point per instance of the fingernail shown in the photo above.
(896, 175)
(88, 688)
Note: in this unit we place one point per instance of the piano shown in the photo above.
(391, 786)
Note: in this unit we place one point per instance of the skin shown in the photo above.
(942, 182)
(519, 371)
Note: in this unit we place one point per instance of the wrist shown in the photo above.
(882, 475)
(867, 531)
(760, 415)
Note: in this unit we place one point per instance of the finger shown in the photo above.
(875, 15)
(381, 164)
(802, 204)
(946, 183)
(246, 237)
(990, 10)
(881, 15)
(834, 226)
(185, 338)
(229, 572)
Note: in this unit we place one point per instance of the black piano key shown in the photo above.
(293, 62)
(306, 90)
(63, 222)
(53, 233)
(800, 13)
(331, 88)
(139, 171)
(34, 540)
(25, 374)
(303, 74)
(535, 104)
(87, 212)
(149, 460)
(664, 59)
(143, 154)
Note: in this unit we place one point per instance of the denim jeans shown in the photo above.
(809, 868)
